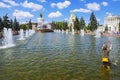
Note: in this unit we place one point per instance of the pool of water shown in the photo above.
(55, 56)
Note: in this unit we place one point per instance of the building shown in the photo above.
(112, 22)
(71, 21)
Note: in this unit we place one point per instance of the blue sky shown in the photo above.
(58, 10)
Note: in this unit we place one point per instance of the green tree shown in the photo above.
(76, 24)
(65, 25)
(82, 23)
(23, 26)
(6, 22)
(93, 22)
(11, 24)
(30, 24)
(16, 25)
(1, 24)
(53, 25)
(106, 28)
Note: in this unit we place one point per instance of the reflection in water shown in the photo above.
(54, 56)
(105, 74)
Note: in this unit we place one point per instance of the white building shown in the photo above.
(112, 22)
(71, 21)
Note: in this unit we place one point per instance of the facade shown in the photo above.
(71, 21)
(112, 22)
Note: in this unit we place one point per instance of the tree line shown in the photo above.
(5, 22)
(78, 24)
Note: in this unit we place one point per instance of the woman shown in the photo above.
(105, 55)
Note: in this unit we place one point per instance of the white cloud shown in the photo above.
(61, 5)
(98, 19)
(104, 3)
(42, 0)
(32, 5)
(11, 2)
(22, 14)
(53, 5)
(81, 10)
(108, 13)
(3, 5)
(93, 6)
(55, 14)
(66, 19)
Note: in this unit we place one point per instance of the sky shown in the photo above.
(58, 10)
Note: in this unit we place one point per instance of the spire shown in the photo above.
(41, 14)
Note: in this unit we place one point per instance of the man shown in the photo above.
(105, 55)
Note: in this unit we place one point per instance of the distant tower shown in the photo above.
(40, 21)
(71, 21)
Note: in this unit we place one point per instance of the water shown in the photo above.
(7, 41)
(82, 32)
(27, 33)
(53, 56)
(97, 34)
(73, 31)
(21, 35)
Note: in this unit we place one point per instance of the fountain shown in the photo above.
(21, 35)
(97, 34)
(67, 31)
(26, 33)
(42, 25)
(73, 32)
(82, 32)
(8, 39)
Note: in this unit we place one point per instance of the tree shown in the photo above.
(65, 25)
(53, 25)
(82, 23)
(106, 28)
(30, 24)
(93, 22)
(11, 24)
(1, 24)
(76, 24)
(6, 22)
(23, 26)
(16, 25)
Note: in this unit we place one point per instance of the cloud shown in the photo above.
(93, 6)
(81, 10)
(55, 14)
(3, 5)
(11, 2)
(19, 14)
(108, 13)
(98, 19)
(104, 3)
(32, 5)
(42, 0)
(66, 19)
(61, 5)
